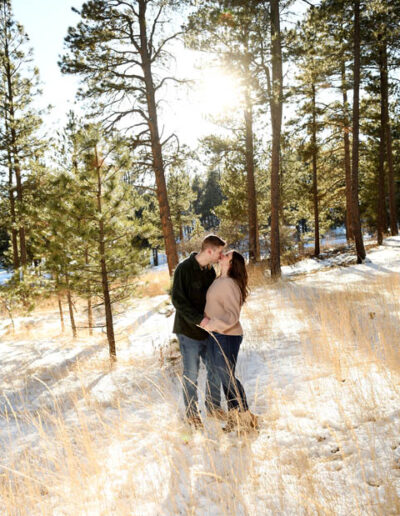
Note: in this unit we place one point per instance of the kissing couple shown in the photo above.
(208, 327)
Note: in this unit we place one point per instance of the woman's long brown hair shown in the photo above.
(238, 272)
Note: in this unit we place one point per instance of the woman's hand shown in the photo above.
(204, 322)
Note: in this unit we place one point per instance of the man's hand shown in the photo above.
(204, 322)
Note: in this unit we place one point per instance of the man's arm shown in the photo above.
(180, 300)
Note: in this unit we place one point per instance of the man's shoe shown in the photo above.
(218, 413)
(195, 422)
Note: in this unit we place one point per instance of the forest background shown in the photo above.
(268, 122)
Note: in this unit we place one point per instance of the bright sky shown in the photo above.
(46, 23)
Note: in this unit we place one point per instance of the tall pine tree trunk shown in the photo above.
(103, 265)
(106, 295)
(315, 175)
(381, 204)
(14, 151)
(14, 233)
(89, 297)
(254, 243)
(158, 164)
(355, 208)
(276, 122)
(60, 310)
(90, 315)
(71, 308)
(388, 140)
(22, 240)
(347, 157)
(392, 185)
(155, 256)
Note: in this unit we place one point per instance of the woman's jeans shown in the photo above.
(191, 351)
(224, 355)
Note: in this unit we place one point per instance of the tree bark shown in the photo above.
(158, 164)
(254, 243)
(22, 239)
(90, 315)
(71, 309)
(347, 157)
(89, 298)
(60, 310)
(61, 313)
(392, 185)
(276, 122)
(14, 232)
(315, 175)
(388, 141)
(355, 208)
(155, 256)
(14, 150)
(103, 266)
(381, 208)
(180, 225)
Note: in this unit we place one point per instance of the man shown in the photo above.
(192, 278)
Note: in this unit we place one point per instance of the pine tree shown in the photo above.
(234, 31)
(55, 241)
(334, 27)
(107, 202)
(276, 124)
(225, 191)
(181, 197)
(147, 214)
(18, 123)
(310, 77)
(89, 231)
(211, 198)
(197, 186)
(116, 48)
(382, 33)
(356, 226)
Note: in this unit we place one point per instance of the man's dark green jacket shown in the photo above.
(189, 291)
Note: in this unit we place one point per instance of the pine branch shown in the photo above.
(160, 48)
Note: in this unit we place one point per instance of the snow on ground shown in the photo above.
(4, 276)
(320, 365)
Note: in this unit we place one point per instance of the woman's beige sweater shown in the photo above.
(223, 306)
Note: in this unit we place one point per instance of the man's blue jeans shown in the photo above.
(191, 351)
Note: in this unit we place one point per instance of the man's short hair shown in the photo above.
(212, 241)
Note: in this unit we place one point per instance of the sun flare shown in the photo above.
(219, 93)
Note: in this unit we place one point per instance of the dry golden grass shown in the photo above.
(348, 333)
(148, 284)
(258, 274)
(153, 283)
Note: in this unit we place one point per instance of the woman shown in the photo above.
(225, 298)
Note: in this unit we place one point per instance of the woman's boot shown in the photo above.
(241, 421)
(248, 421)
